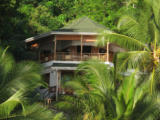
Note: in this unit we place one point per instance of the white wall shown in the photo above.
(53, 78)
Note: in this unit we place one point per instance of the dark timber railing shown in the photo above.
(67, 56)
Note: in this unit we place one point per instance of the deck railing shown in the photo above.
(67, 56)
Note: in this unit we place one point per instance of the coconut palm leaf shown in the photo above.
(151, 110)
(91, 68)
(16, 81)
(156, 10)
(134, 59)
(133, 27)
(36, 112)
(124, 41)
(154, 79)
(96, 95)
(9, 105)
(89, 93)
(39, 112)
(140, 32)
(131, 97)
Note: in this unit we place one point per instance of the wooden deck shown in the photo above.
(66, 56)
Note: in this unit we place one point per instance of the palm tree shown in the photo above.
(139, 34)
(98, 97)
(16, 81)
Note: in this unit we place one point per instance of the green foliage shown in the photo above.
(17, 80)
(21, 19)
(98, 96)
(138, 32)
(105, 12)
(50, 15)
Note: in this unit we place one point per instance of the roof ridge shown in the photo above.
(97, 24)
(75, 21)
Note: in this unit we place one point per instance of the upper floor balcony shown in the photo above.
(69, 56)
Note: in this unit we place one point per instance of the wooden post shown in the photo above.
(59, 81)
(81, 46)
(39, 55)
(55, 45)
(57, 85)
(107, 51)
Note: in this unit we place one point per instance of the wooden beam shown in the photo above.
(39, 55)
(68, 37)
(57, 85)
(81, 46)
(76, 37)
(90, 40)
(55, 47)
(107, 51)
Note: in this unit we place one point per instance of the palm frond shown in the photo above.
(97, 97)
(9, 105)
(17, 80)
(98, 79)
(124, 41)
(150, 110)
(37, 112)
(155, 6)
(133, 60)
(133, 27)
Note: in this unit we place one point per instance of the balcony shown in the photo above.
(66, 56)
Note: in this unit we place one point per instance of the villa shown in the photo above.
(61, 51)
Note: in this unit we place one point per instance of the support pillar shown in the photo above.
(81, 47)
(39, 55)
(53, 82)
(55, 47)
(107, 51)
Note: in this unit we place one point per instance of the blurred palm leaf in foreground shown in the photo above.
(99, 95)
(16, 81)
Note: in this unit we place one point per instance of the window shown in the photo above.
(86, 49)
(102, 50)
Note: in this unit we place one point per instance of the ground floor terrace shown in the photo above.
(56, 74)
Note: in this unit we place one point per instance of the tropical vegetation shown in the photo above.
(21, 19)
(139, 33)
(17, 81)
(99, 95)
(106, 93)
(100, 92)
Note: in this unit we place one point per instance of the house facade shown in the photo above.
(61, 51)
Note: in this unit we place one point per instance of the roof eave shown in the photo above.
(59, 33)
